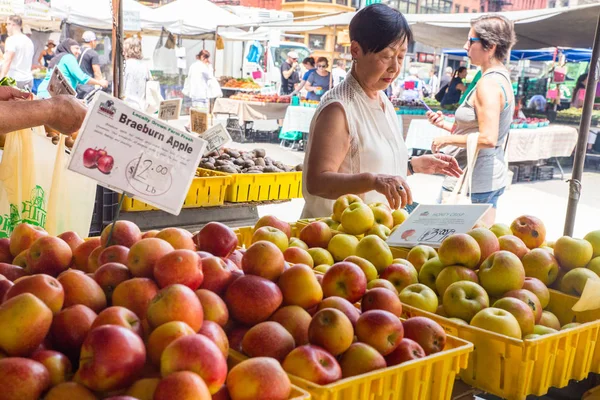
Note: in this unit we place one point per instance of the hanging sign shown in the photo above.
(217, 137)
(132, 21)
(37, 9)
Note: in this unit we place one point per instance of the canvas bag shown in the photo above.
(462, 190)
(36, 188)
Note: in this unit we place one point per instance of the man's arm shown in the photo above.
(8, 57)
(97, 72)
(287, 71)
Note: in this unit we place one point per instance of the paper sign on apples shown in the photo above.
(590, 297)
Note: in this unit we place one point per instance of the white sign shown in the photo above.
(217, 137)
(37, 9)
(169, 109)
(431, 224)
(131, 152)
(58, 84)
(10, 7)
(132, 21)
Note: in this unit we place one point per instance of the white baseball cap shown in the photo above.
(293, 55)
(88, 36)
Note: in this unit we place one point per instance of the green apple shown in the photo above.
(383, 214)
(501, 273)
(420, 254)
(541, 264)
(399, 216)
(464, 299)
(543, 330)
(357, 219)
(340, 205)
(497, 320)
(374, 249)
(575, 280)
(430, 271)
(452, 274)
(573, 253)
(320, 256)
(594, 239)
(379, 230)
(342, 245)
(550, 320)
(419, 296)
(367, 267)
(500, 230)
(295, 242)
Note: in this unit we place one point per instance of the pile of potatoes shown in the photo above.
(243, 162)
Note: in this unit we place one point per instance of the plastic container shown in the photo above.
(105, 209)
(264, 187)
(513, 368)
(207, 190)
(429, 378)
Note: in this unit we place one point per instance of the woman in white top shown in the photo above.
(196, 84)
(136, 74)
(355, 143)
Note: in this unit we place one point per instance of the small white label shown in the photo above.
(217, 137)
(169, 109)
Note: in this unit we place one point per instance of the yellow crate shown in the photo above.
(513, 368)
(207, 190)
(244, 234)
(429, 378)
(264, 187)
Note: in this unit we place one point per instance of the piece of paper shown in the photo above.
(131, 152)
(169, 109)
(590, 298)
(217, 137)
(198, 121)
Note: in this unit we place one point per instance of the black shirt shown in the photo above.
(287, 85)
(88, 58)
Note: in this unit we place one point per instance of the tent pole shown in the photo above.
(584, 127)
(117, 54)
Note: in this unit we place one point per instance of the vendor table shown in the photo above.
(250, 110)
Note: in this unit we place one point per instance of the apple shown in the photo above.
(346, 280)
(217, 239)
(263, 259)
(594, 239)
(81, 289)
(49, 255)
(342, 246)
(460, 249)
(71, 238)
(217, 277)
(296, 321)
(109, 276)
(381, 231)
(297, 255)
(119, 316)
(235, 257)
(195, 353)
(273, 235)
(332, 224)
(501, 273)
(541, 264)
(23, 379)
(357, 219)
(143, 389)
(575, 280)
(382, 214)
(44, 287)
(383, 283)
(367, 267)
(314, 364)
(235, 335)
(316, 234)
(550, 320)
(399, 216)
(528, 298)
(82, 253)
(380, 329)
(420, 254)
(126, 234)
(90, 158)
(214, 332)
(258, 378)
(268, 339)
(381, 299)
(419, 296)
(57, 364)
(487, 241)
(464, 299)
(23, 236)
(164, 335)
(69, 329)
(5, 255)
(341, 304)
(70, 390)
(497, 320)
(252, 299)
(5, 285)
(179, 238)
(360, 358)
(530, 230)
(214, 308)
(176, 303)
(342, 203)
(377, 251)
(500, 230)
(573, 253)
(21, 313)
(559, 277)
(21, 260)
(332, 330)
(543, 330)
(321, 256)
(93, 264)
(272, 221)
(407, 350)
(182, 385)
(12, 272)
(144, 254)
(450, 275)
(295, 242)
(571, 325)
(111, 358)
(514, 245)
(426, 332)
(179, 267)
(521, 311)
(538, 288)
(430, 271)
(106, 164)
(135, 295)
(115, 253)
(299, 287)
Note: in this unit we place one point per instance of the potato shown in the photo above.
(260, 161)
(249, 164)
(259, 152)
(271, 169)
(227, 168)
(232, 153)
(220, 163)
(206, 165)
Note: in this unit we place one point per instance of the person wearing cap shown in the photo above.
(89, 62)
(18, 56)
(47, 54)
(289, 73)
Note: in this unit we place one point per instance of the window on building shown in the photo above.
(317, 42)
(456, 9)
(466, 9)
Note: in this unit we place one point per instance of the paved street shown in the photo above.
(544, 199)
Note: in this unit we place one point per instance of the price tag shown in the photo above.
(132, 152)
(431, 224)
(217, 137)
(58, 84)
(169, 109)
(198, 121)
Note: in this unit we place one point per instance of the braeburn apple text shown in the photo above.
(142, 127)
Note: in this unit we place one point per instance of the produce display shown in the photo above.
(244, 162)
(261, 98)
(241, 83)
(573, 116)
(520, 123)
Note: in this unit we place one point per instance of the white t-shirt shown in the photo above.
(20, 67)
(134, 85)
(338, 75)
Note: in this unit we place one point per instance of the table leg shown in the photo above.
(562, 173)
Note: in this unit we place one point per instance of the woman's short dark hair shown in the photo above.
(494, 29)
(309, 60)
(378, 26)
(323, 59)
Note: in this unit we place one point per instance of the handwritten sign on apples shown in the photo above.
(132, 153)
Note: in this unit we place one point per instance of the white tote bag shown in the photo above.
(462, 190)
(214, 89)
(153, 97)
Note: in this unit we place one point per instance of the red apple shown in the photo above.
(314, 364)
(179, 238)
(381, 299)
(214, 332)
(530, 230)
(380, 329)
(258, 378)
(252, 299)
(144, 254)
(343, 305)
(316, 234)
(528, 298)
(69, 329)
(426, 332)
(268, 339)
(181, 267)
(71, 238)
(49, 255)
(217, 276)
(346, 280)
(182, 385)
(514, 245)
(488, 242)
(217, 239)
(113, 254)
(12, 272)
(359, 359)
(176, 303)
(23, 236)
(81, 289)
(44, 287)
(5, 285)
(22, 379)
(400, 275)
(272, 221)
(90, 158)
(538, 288)
(82, 253)
(126, 234)
(407, 350)
(119, 316)
(263, 259)
(57, 364)
(135, 294)
(213, 306)
(109, 276)
(296, 321)
(5, 255)
(235, 257)
(106, 164)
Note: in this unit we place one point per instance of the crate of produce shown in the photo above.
(105, 208)
(515, 173)
(264, 187)
(208, 189)
(526, 173)
(429, 378)
(512, 368)
(544, 173)
(244, 234)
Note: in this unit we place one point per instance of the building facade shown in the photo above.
(512, 5)
(466, 6)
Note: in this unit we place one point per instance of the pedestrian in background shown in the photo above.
(18, 54)
(89, 61)
(137, 74)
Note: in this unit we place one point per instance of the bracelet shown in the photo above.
(411, 170)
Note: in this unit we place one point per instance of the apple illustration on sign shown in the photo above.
(98, 158)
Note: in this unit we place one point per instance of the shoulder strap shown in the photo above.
(82, 54)
(506, 104)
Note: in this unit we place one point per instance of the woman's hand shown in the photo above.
(8, 93)
(436, 119)
(439, 143)
(437, 164)
(395, 189)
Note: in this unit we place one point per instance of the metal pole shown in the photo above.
(584, 127)
(117, 55)
(333, 48)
